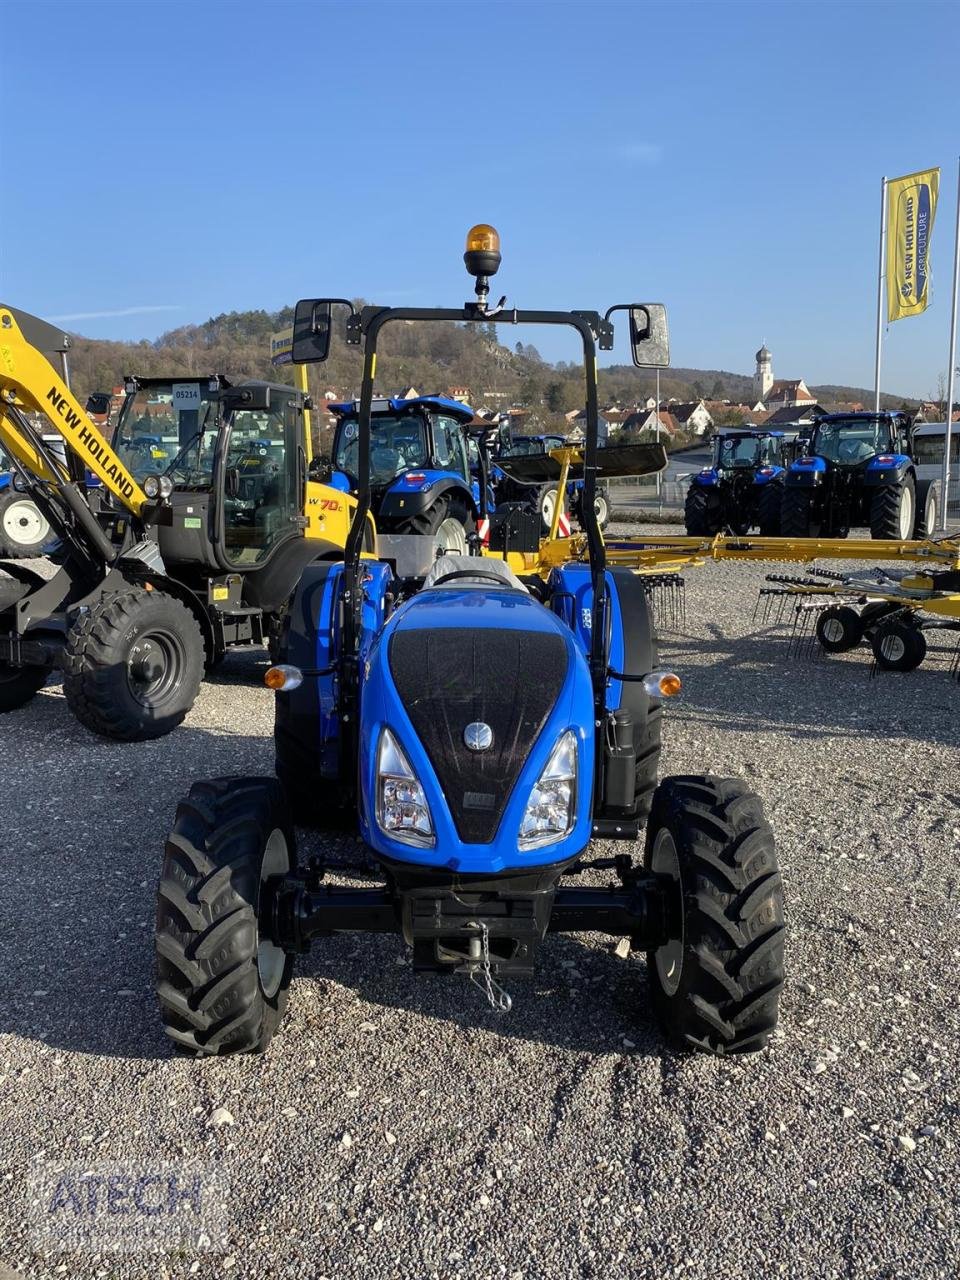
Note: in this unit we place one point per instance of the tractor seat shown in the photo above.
(476, 571)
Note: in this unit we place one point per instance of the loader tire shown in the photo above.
(716, 980)
(701, 512)
(769, 507)
(134, 663)
(222, 986)
(796, 515)
(23, 526)
(893, 511)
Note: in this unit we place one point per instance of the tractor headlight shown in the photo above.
(402, 809)
(157, 487)
(552, 806)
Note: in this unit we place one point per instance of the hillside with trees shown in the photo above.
(429, 357)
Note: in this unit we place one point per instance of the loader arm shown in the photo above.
(30, 384)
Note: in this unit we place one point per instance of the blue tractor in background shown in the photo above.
(859, 470)
(477, 734)
(420, 477)
(542, 497)
(742, 488)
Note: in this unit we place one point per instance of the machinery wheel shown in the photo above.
(769, 505)
(602, 507)
(701, 512)
(928, 509)
(796, 515)
(839, 629)
(18, 684)
(546, 505)
(899, 645)
(716, 981)
(23, 526)
(222, 986)
(448, 519)
(134, 663)
(892, 510)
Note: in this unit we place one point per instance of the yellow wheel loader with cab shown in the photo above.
(179, 539)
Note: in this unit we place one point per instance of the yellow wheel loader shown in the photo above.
(178, 539)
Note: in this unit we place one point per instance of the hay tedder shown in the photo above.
(179, 539)
(477, 726)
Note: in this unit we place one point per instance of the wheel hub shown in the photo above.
(154, 668)
(665, 863)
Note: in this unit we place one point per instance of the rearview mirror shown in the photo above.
(255, 398)
(311, 331)
(649, 339)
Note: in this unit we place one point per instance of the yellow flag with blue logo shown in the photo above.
(911, 206)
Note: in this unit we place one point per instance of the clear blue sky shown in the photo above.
(164, 162)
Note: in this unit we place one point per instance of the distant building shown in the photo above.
(791, 415)
(763, 377)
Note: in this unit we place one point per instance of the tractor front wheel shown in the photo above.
(928, 509)
(796, 515)
(701, 512)
(222, 984)
(448, 520)
(769, 504)
(839, 629)
(892, 511)
(716, 979)
(899, 645)
(134, 663)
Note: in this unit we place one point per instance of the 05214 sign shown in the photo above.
(186, 395)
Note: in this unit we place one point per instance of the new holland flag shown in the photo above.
(911, 206)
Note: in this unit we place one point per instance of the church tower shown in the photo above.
(763, 378)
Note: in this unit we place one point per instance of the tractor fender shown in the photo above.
(806, 472)
(766, 475)
(706, 479)
(404, 500)
(5, 480)
(877, 474)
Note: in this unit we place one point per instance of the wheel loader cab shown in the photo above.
(226, 463)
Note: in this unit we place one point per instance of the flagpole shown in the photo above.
(883, 232)
(951, 363)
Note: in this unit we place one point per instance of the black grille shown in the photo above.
(449, 677)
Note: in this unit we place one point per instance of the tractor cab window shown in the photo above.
(169, 428)
(851, 442)
(737, 453)
(449, 446)
(397, 444)
(771, 451)
(262, 481)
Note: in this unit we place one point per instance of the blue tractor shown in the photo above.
(859, 470)
(420, 480)
(477, 734)
(742, 488)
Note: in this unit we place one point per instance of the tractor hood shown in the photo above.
(482, 657)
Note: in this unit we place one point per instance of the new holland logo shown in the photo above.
(478, 736)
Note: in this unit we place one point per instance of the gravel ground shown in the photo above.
(398, 1128)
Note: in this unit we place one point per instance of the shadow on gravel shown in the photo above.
(757, 682)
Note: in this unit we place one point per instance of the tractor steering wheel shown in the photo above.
(472, 573)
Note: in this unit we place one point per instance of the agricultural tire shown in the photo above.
(23, 527)
(716, 980)
(222, 987)
(769, 505)
(546, 505)
(796, 515)
(898, 645)
(18, 684)
(701, 512)
(448, 519)
(839, 629)
(893, 510)
(928, 509)
(134, 663)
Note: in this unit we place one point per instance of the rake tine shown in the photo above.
(955, 662)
